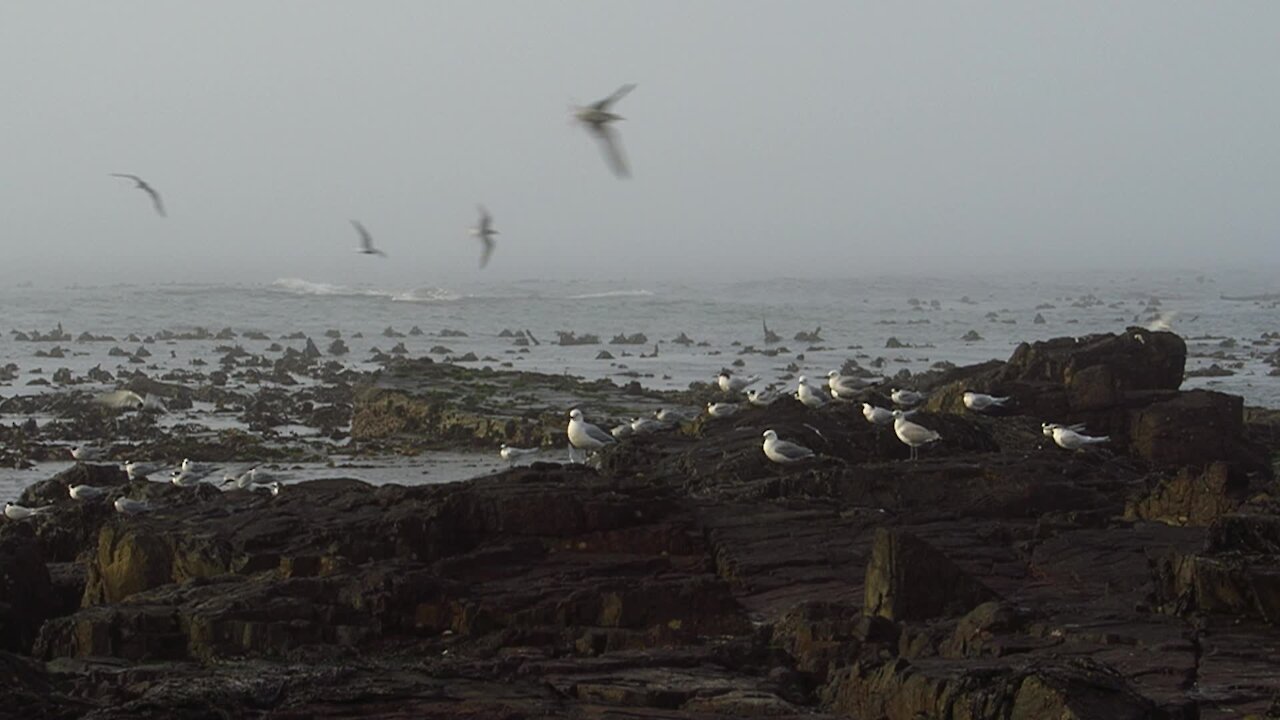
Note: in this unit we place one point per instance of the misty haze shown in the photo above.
(679, 359)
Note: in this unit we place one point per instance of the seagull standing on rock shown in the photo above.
(513, 454)
(876, 415)
(1069, 439)
(979, 402)
(598, 118)
(14, 511)
(783, 452)
(137, 470)
(911, 434)
(585, 436)
(806, 394)
(721, 410)
(845, 387)
(85, 492)
(734, 385)
(906, 398)
(125, 506)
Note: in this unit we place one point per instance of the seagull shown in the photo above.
(121, 399)
(85, 453)
(143, 186)
(125, 506)
(783, 452)
(721, 410)
(979, 402)
(85, 492)
(14, 511)
(810, 397)
(585, 436)
(844, 387)
(731, 384)
(1069, 439)
(275, 487)
(906, 398)
(622, 431)
(597, 118)
(761, 398)
(366, 241)
(645, 426)
(191, 466)
(137, 470)
(184, 478)
(673, 417)
(1048, 428)
(876, 415)
(241, 481)
(513, 454)
(911, 434)
(484, 232)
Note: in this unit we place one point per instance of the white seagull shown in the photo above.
(1048, 428)
(844, 387)
(876, 415)
(906, 398)
(761, 398)
(808, 395)
(85, 492)
(721, 410)
(14, 511)
(513, 454)
(484, 232)
(142, 185)
(366, 241)
(731, 384)
(137, 470)
(87, 453)
(979, 402)
(911, 434)
(598, 119)
(646, 426)
(121, 399)
(1069, 439)
(125, 506)
(585, 436)
(673, 417)
(783, 452)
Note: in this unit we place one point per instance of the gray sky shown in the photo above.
(766, 138)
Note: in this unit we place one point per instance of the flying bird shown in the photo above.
(366, 241)
(484, 232)
(144, 187)
(597, 118)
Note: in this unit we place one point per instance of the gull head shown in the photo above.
(770, 435)
(833, 374)
(575, 414)
(802, 380)
(899, 414)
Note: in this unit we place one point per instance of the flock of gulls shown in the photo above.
(598, 118)
(588, 438)
(187, 474)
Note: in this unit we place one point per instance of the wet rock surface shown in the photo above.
(683, 575)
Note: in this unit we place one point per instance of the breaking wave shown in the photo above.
(611, 294)
(298, 286)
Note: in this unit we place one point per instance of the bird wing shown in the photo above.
(487, 250)
(791, 450)
(612, 148)
(486, 220)
(366, 240)
(155, 198)
(615, 97)
(134, 178)
(597, 434)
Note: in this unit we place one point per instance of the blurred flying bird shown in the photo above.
(143, 186)
(597, 118)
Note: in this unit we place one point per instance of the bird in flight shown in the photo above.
(484, 232)
(143, 186)
(366, 241)
(597, 118)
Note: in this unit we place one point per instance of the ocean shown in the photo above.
(960, 320)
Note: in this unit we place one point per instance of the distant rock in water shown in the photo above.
(337, 347)
(682, 339)
(570, 338)
(392, 333)
(1039, 319)
(894, 343)
(604, 355)
(971, 336)
(415, 331)
(450, 332)
(624, 339)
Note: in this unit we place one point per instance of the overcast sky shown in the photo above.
(765, 138)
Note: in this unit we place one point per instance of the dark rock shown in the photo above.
(907, 579)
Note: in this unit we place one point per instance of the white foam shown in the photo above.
(611, 294)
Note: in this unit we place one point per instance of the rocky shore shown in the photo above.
(685, 576)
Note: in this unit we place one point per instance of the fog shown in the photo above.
(765, 138)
